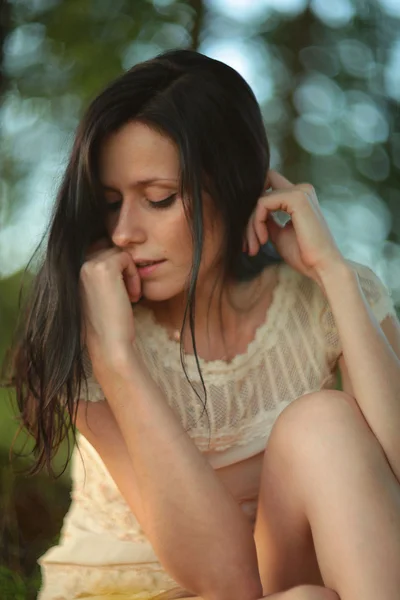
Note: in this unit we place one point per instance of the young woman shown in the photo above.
(214, 454)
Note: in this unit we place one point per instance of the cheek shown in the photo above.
(180, 240)
(177, 237)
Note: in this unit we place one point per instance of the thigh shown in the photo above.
(285, 548)
(323, 466)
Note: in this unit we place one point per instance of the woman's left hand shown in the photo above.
(305, 243)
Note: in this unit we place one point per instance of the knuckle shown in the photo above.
(99, 266)
(262, 200)
(307, 188)
(94, 267)
(301, 196)
(85, 268)
(312, 592)
(305, 192)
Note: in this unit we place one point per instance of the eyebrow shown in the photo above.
(143, 182)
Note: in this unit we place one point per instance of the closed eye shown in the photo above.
(163, 203)
(114, 206)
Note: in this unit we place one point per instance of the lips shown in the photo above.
(148, 269)
(146, 263)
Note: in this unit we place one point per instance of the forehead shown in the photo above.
(138, 152)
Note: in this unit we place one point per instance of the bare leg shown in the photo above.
(329, 506)
(304, 592)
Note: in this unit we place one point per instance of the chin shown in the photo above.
(157, 292)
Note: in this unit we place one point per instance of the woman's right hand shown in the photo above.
(109, 282)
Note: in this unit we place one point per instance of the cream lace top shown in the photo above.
(295, 351)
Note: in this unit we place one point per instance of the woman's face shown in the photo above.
(139, 170)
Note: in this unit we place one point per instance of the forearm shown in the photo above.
(196, 528)
(373, 366)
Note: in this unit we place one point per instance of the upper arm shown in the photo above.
(96, 422)
(391, 328)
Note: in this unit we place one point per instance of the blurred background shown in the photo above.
(327, 76)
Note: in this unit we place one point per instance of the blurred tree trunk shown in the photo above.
(5, 26)
(198, 7)
(290, 37)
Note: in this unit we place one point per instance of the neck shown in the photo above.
(217, 307)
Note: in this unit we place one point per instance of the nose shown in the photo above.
(129, 227)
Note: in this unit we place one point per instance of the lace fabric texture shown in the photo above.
(294, 352)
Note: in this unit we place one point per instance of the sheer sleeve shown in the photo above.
(377, 294)
(378, 297)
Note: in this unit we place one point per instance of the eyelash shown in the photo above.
(114, 206)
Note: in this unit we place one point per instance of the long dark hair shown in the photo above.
(213, 117)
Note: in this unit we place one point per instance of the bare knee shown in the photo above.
(317, 405)
(309, 592)
(313, 431)
(311, 417)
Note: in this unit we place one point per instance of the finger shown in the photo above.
(131, 276)
(278, 181)
(101, 244)
(309, 191)
(252, 240)
(101, 255)
(260, 222)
